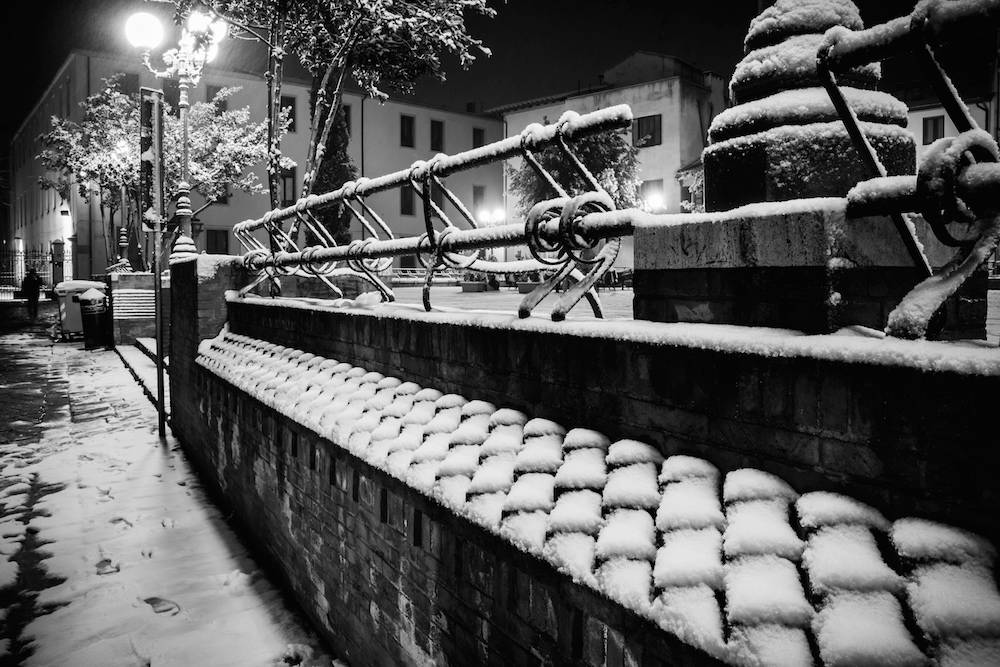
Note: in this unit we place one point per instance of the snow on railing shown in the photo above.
(553, 232)
(957, 179)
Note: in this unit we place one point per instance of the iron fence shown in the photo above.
(956, 189)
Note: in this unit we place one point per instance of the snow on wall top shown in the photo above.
(795, 17)
(739, 565)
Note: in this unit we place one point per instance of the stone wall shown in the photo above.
(887, 433)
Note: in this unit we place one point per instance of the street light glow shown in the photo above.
(219, 30)
(654, 201)
(498, 215)
(144, 31)
(199, 23)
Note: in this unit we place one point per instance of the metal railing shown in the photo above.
(956, 189)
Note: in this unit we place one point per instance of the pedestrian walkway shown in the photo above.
(110, 552)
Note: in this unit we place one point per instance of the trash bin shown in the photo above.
(94, 312)
(68, 293)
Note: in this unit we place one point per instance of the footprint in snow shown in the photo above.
(121, 522)
(167, 523)
(147, 553)
(181, 482)
(162, 605)
(105, 566)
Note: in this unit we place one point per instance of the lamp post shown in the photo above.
(199, 44)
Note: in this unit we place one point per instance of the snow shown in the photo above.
(478, 407)
(627, 452)
(692, 613)
(627, 534)
(472, 431)
(690, 503)
(585, 438)
(979, 652)
(503, 439)
(526, 530)
(793, 17)
(434, 448)
(759, 527)
(847, 557)
(823, 508)
(460, 460)
(753, 484)
(582, 469)
(421, 413)
(508, 417)
(576, 511)
(450, 401)
(573, 553)
(452, 490)
(486, 509)
(689, 558)
(774, 645)
(920, 539)
(530, 492)
(538, 426)
(626, 581)
(445, 421)
(632, 486)
(950, 600)
(410, 438)
(765, 589)
(493, 474)
(427, 394)
(680, 467)
(540, 454)
(864, 629)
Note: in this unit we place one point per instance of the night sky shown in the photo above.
(539, 47)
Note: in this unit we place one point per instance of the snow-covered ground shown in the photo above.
(110, 551)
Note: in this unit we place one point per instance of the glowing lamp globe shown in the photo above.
(219, 30)
(655, 201)
(199, 23)
(143, 31)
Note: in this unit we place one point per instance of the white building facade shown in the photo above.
(672, 105)
(383, 138)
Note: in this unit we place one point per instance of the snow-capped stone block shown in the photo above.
(503, 439)
(460, 460)
(923, 540)
(689, 558)
(690, 503)
(532, 491)
(822, 508)
(955, 600)
(626, 581)
(450, 401)
(473, 431)
(760, 527)
(421, 413)
(765, 589)
(582, 469)
(493, 474)
(451, 491)
(526, 530)
(627, 452)
(846, 557)
(427, 394)
(477, 407)
(627, 534)
(975, 652)
(681, 466)
(576, 511)
(796, 17)
(585, 438)
(486, 509)
(572, 553)
(540, 454)
(632, 486)
(445, 421)
(692, 613)
(508, 417)
(434, 448)
(773, 645)
(753, 484)
(538, 427)
(864, 629)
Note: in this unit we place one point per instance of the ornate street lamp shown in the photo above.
(199, 44)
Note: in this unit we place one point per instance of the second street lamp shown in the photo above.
(198, 45)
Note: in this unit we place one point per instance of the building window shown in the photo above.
(406, 206)
(478, 198)
(210, 93)
(933, 129)
(437, 135)
(288, 102)
(651, 195)
(478, 137)
(288, 186)
(646, 131)
(129, 83)
(346, 110)
(406, 131)
(217, 241)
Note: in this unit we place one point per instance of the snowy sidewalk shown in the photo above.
(116, 557)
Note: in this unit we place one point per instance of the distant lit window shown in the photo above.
(437, 135)
(406, 137)
(217, 241)
(288, 102)
(288, 186)
(478, 137)
(406, 196)
(646, 131)
(652, 196)
(933, 129)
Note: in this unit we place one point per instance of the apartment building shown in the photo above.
(383, 138)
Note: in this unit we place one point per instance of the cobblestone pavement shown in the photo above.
(110, 552)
